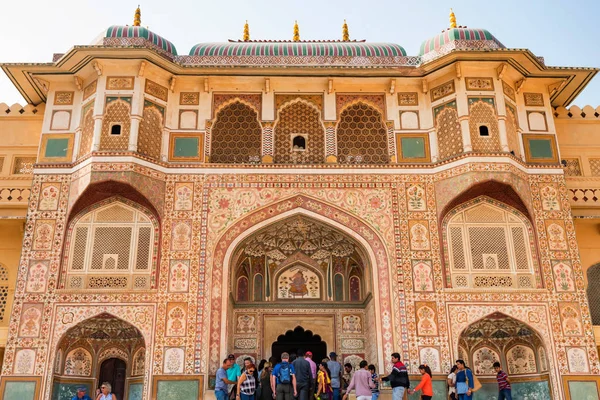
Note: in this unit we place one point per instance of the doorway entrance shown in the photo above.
(299, 339)
(113, 371)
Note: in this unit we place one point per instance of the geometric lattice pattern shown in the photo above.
(572, 167)
(110, 244)
(488, 248)
(362, 136)
(449, 135)
(593, 292)
(117, 112)
(150, 135)
(482, 113)
(87, 131)
(595, 166)
(236, 135)
(299, 119)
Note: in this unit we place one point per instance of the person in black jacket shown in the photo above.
(398, 378)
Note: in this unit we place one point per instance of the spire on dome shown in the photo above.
(345, 33)
(137, 17)
(296, 32)
(246, 37)
(452, 19)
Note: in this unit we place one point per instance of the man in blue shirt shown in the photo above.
(233, 372)
(221, 381)
(283, 379)
(81, 394)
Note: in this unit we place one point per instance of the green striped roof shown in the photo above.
(333, 49)
(117, 31)
(454, 34)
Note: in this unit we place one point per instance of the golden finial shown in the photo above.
(452, 19)
(345, 33)
(296, 32)
(137, 17)
(246, 32)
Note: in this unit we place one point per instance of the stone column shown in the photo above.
(164, 148)
(134, 133)
(207, 130)
(433, 143)
(462, 107)
(330, 142)
(267, 150)
(98, 112)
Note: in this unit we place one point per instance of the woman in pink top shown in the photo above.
(425, 385)
(362, 382)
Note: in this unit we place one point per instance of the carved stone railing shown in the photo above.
(584, 197)
(16, 196)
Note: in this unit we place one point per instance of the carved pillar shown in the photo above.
(267, 150)
(391, 141)
(462, 107)
(134, 132)
(207, 130)
(503, 134)
(433, 143)
(97, 132)
(330, 142)
(164, 148)
(76, 144)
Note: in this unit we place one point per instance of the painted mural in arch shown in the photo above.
(102, 348)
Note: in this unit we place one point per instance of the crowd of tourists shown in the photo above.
(298, 377)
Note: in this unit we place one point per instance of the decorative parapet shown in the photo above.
(580, 197)
(574, 112)
(299, 61)
(17, 110)
(14, 196)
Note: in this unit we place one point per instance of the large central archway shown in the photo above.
(357, 333)
(297, 340)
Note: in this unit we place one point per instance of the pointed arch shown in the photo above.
(506, 260)
(299, 118)
(225, 246)
(117, 111)
(362, 132)
(116, 236)
(235, 133)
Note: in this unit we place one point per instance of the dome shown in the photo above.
(302, 49)
(118, 35)
(459, 38)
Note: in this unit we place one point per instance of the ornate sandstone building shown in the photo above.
(160, 211)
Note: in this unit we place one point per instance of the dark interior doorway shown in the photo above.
(113, 371)
(299, 339)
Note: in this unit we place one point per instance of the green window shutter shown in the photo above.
(57, 148)
(413, 147)
(540, 148)
(186, 147)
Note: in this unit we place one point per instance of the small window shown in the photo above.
(115, 129)
(299, 143)
(484, 131)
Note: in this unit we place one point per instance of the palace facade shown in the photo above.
(160, 211)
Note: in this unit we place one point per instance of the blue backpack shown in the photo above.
(284, 373)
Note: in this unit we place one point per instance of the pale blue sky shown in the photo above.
(565, 32)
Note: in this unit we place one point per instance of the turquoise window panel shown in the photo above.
(177, 390)
(22, 390)
(584, 390)
(413, 147)
(186, 147)
(57, 147)
(540, 148)
(135, 391)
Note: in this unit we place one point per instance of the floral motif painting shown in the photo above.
(549, 196)
(556, 237)
(181, 236)
(483, 361)
(49, 195)
(422, 276)
(179, 276)
(578, 361)
(176, 319)
(351, 324)
(521, 360)
(563, 276)
(44, 233)
(174, 358)
(431, 357)
(37, 278)
(571, 324)
(184, 195)
(419, 235)
(24, 362)
(426, 325)
(31, 319)
(78, 363)
(415, 198)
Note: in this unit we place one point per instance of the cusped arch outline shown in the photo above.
(317, 209)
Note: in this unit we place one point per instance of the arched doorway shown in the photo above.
(519, 349)
(301, 270)
(100, 349)
(299, 339)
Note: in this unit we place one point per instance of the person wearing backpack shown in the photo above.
(283, 379)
